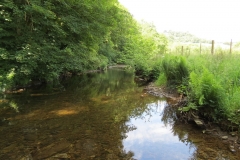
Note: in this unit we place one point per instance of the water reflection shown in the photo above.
(153, 139)
(87, 121)
(99, 116)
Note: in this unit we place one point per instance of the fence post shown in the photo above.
(182, 50)
(231, 47)
(212, 50)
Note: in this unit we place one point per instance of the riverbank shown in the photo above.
(176, 100)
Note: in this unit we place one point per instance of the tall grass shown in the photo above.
(175, 69)
(212, 82)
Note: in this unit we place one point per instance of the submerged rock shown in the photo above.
(224, 137)
(233, 134)
(199, 122)
(52, 149)
(62, 156)
(232, 149)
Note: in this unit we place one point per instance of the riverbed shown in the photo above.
(102, 116)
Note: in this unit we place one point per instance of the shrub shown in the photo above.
(207, 93)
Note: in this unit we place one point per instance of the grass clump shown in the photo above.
(175, 69)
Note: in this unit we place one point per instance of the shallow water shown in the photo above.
(99, 116)
(153, 139)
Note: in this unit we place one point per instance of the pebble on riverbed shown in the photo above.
(233, 134)
(224, 137)
(198, 122)
(232, 149)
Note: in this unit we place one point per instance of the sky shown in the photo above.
(217, 20)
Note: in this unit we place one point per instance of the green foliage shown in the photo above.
(207, 93)
(141, 45)
(175, 69)
(212, 87)
(142, 48)
(191, 106)
(161, 80)
(41, 40)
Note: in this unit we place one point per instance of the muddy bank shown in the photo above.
(173, 98)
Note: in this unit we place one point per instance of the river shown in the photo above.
(105, 116)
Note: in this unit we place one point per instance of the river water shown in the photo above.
(105, 116)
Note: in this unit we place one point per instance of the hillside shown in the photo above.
(175, 36)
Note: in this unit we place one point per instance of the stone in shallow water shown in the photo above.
(232, 149)
(62, 156)
(198, 122)
(207, 131)
(233, 134)
(52, 149)
(224, 137)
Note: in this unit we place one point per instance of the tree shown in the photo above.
(42, 39)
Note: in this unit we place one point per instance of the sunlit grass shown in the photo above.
(213, 83)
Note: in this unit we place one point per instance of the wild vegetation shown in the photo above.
(210, 82)
(44, 40)
(41, 40)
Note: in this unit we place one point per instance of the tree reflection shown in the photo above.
(205, 146)
(87, 121)
(169, 115)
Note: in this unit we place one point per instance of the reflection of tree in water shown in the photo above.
(205, 146)
(105, 83)
(104, 103)
(169, 115)
(93, 133)
(87, 121)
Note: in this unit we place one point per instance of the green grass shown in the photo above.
(210, 81)
(214, 85)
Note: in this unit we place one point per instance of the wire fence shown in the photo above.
(204, 48)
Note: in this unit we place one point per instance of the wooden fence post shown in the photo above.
(212, 50)
(182, 50)
(231, 47)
